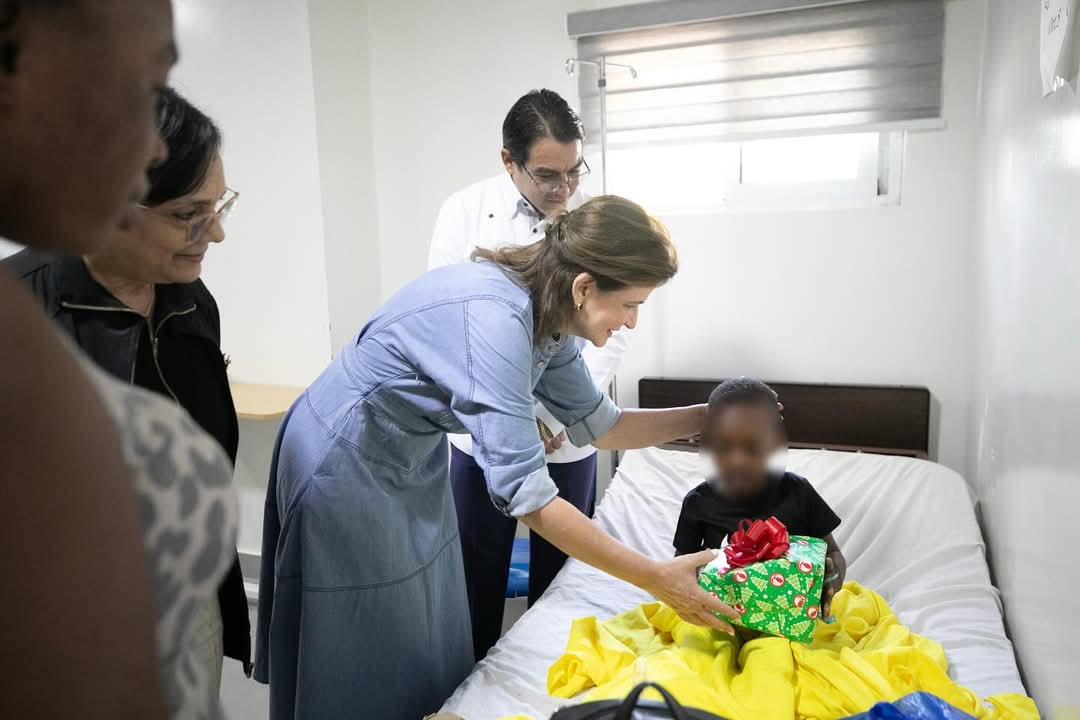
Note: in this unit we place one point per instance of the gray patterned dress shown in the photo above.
(184, 484)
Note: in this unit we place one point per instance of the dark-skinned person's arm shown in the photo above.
(79, 638)
(835, 572)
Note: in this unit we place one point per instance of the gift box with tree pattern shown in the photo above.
(771, 580)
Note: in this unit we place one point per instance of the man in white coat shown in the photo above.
(544, 166)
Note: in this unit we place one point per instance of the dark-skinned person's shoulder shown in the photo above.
(703, 489)
(689, 530)
(817, 518)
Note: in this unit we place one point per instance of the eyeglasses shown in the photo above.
(197, 225)
(552, 184)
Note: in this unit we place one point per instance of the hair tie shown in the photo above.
(555, 231)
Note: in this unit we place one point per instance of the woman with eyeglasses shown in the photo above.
(136, 306)
(543, 170)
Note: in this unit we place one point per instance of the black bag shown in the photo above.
(634, 708)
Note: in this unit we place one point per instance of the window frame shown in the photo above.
(878, 184)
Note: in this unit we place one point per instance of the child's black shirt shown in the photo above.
(708, 515)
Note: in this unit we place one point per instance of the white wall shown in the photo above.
(443, 76)
(248, 64)
(1026, 401)
(877, 295)
(341, 69)
(293, 113)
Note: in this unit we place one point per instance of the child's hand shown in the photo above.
(834, 580)
(835, 570)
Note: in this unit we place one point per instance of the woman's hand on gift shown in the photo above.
(835, 571)
(676, 586)
(673, 582)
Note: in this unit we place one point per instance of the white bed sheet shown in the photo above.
(908, 532)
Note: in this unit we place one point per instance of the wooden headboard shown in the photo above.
(890, 420)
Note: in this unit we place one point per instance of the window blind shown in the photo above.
(837, 68)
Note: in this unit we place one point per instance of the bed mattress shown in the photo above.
(908, 531)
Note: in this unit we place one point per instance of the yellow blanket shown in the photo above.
(864, 657)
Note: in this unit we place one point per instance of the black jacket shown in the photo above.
(178, 355)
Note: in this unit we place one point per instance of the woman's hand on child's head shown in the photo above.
(676, 586)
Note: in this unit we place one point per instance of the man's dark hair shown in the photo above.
(193, 140)
(539, 114)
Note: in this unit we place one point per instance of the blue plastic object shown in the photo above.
(517, 585)
(916, 706)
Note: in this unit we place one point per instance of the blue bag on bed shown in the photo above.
(916, 706)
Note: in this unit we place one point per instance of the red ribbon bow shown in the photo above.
(756, 541)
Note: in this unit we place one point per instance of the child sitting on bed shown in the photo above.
(743, 429)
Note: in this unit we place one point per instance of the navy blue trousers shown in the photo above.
(487, 540)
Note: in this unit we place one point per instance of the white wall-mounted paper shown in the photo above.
(1058, 59)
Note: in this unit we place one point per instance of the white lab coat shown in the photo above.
(490, 214)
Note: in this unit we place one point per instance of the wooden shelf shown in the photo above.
(263, 402)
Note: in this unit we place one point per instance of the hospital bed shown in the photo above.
(909, 532)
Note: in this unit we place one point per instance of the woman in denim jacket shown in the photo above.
(362, 608)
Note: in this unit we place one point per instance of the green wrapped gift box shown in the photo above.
(779, 597)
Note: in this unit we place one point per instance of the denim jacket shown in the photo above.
(454, 352)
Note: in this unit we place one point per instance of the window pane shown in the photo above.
(668, 177)
(814, 159)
